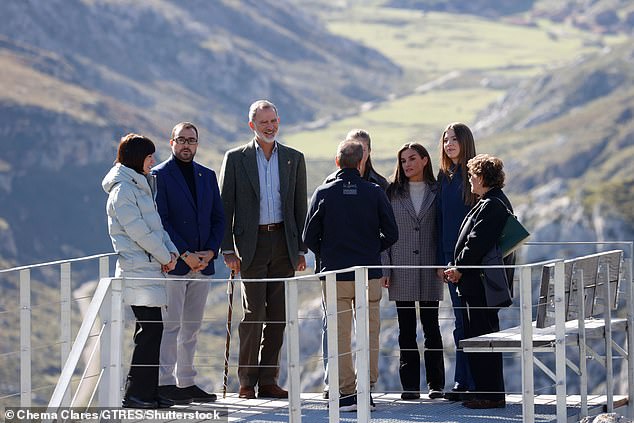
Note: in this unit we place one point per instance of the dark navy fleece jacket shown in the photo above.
(349, 222)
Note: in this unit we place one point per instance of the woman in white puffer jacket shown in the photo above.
(145, 251)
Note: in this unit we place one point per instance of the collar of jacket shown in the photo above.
(493, 192)
(347, 173)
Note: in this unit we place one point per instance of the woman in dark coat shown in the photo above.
(479, 233)
(455, 199)
(412, 195)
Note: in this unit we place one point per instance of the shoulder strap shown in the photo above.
(505, 206)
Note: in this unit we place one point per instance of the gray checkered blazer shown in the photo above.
(416, 246)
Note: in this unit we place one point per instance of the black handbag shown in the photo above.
(513, 235)
(496, 286)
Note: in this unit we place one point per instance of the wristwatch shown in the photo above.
(185, 255)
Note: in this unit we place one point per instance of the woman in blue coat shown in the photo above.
(455, 199)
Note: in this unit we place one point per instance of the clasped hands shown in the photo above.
(452, 275)
(165, 268)
(199, 260)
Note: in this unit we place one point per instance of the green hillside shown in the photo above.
(455, 67)
(575, 124)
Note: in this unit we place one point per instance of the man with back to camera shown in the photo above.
(263, 189)
(188, 200)
(349, 222)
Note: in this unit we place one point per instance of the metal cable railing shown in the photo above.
(106, 304)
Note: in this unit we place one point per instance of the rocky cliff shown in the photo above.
(76, 75)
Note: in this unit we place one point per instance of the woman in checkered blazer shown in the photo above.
(412, 194)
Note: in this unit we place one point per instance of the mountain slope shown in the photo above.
(568, 139)
(77, 75)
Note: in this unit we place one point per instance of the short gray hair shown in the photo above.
(260, 105)
(349, 154)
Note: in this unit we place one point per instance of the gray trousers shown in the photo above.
(181, 323)
(261, 330)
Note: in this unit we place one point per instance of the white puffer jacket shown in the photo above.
(137, 236)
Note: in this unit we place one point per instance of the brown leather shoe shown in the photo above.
(272, 391)
(484, 403)
(247, 392)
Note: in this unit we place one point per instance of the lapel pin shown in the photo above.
(200, 174)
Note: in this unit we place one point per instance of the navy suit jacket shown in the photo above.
(193, 224)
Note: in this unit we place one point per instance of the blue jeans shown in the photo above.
(462, 375)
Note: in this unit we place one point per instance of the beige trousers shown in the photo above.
(345, 303)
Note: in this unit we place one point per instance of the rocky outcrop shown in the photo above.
(606, 418)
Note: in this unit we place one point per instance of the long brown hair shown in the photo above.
(400, 183)
(467, 152)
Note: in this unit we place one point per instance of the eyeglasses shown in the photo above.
(183, 140)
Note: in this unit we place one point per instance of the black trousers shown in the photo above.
(142, 379)
(409, 369)
(487, 369)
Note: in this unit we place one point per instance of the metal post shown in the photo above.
(581, 329)
(363, 344)
(526, 325)
(333, 348)
(116, 345)
(105, 344)
(292, 350)
(65, 321)
(105, 341)
(104, 267)
(604, 272)
(25, 338)
(629, 303)
(560, 341)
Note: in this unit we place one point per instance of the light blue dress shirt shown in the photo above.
(269, 176)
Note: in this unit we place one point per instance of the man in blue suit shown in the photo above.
(188, 200)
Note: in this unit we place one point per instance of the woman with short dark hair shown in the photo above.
(479, 234)
(145, 251)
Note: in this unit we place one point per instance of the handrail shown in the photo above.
(103, 294)
(78, 345)
(52, 263)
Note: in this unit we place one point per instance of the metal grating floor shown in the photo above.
(389, 409)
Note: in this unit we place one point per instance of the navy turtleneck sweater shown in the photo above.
(187, 169)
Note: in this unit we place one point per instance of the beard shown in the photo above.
(263, 137)
(185, 156)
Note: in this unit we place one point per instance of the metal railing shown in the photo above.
(25, 314)
(106, 305)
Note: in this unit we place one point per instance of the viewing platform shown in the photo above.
(560, 379)
(391, 409)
